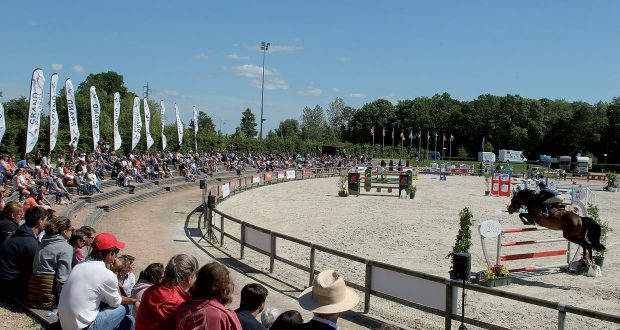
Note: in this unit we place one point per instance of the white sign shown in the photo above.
(256, 178)
(225, 190)
(258, 239)
(280, 175)
(409, 288)
(490, 228)
(290, 174)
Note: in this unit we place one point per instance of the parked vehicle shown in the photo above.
(486, 157)
(582, 165)
(511, 156)
(544, 160)
(565, 163)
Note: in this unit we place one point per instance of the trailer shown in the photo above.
(565, 163)
(486, 157)
(511, 156)
(582, 166)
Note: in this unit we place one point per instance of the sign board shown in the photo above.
(410, 288)
(353, 185)
(256, 178)
(290, 174)
(258, 239)
(280, 175)
(225, 190)
(307, 172)
(268, 176)
(490, 228)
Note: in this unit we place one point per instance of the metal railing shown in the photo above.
(450, 299)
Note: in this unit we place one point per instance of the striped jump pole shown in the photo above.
(530, 255)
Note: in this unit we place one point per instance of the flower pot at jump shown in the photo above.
(343, 194)
(487, 193)
(498, 281)
(411, 195)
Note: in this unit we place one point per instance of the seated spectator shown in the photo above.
(158, 308)
(252, 303)
(93, 182)
(212, 291)
(90, 236)
(152, 274)
(126, 279)
(127, 179)
(10, 218)
(42, 201)
(51, 266)
(327, 299)
(91, 283)
(57, 188)
(17, 253)
(268, 316)
(77, 242)
(30, 200)
(287, 320)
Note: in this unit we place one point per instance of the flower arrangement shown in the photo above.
(495, 272)
(342, 186)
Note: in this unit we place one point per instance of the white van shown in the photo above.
(511, 156)
(486, 157)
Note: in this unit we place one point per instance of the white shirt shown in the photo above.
(89, 283)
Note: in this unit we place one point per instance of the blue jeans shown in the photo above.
(114, 318)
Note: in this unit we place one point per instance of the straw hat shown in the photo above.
(328, 294)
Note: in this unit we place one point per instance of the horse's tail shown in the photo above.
(594, 233)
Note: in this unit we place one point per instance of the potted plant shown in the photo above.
(497, 276)
(487, 182)
(593, 212)
(342, 186)
(391, 165)
(463, 238)
(411, 190)
(611, 182)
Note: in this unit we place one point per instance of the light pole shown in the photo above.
(264, 46)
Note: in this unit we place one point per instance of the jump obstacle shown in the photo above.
(390, 181)
(502, 258)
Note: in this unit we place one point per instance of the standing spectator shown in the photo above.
(51, 266)
(126, 279)
(327, 298)
(9, 219)
(212, 291)
(152, 274)
(158, 308)
(287, 320)
(17, 253)
(91, 283)
(253, 298)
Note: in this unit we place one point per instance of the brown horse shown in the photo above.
(582, 231)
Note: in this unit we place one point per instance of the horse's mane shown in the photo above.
(527, 193)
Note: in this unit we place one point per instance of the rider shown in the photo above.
(549, 199)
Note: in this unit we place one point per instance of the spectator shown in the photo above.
(126, 279)
(212, 290)
(152, 274)
(9, 219)
(51, 266)
(159, 304)
(327, 298)
(90, 236)
(287, 320)
(30, 200)
(91, 283)
(268, 316)
(17, 253)
(253, 298)
(77, 242)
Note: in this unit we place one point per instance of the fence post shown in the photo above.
(561, 316)
(222, 230)
(242, 239)
(312, 265)
(449, 306)
(367, 287)
(272, 254)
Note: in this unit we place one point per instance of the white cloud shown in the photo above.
(252, 71)
(343, 58)
(357, 95)
(271, 84)
(336, 89)
(56, 66)
(200, 57)
(79, 69)
(310, 90)
(235, 57)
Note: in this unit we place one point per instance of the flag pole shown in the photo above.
(428, 141)
(443, 146)
(383, 142)
(450, 147)
(435, 149)
(410, 142)
(392, 142)
(419, 145)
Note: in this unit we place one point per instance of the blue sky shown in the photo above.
(206, 53)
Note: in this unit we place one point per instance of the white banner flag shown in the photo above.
(163, 120)
(72, 111)
(34, 109)
(195, 129)
(137, 123)
(117, 114)
(147, 125)
(95, 112)
(53, 112)
(179, 125)
(2, 123)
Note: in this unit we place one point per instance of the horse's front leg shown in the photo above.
(525, 218)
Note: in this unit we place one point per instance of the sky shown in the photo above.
(207, 53)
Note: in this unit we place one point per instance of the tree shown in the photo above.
(339, 116)
(313, 124)
(288, 129)
(247, 127)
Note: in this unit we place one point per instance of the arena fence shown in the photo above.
(400, 285)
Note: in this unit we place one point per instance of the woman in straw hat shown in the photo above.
(327, 299)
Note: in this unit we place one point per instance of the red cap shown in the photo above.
(106, 241)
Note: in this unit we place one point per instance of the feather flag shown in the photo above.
(117, 114)
(402, 135)
(195, 129)
(53, 112)
(95, 112)
(72, 112)
(383, 131)
(451, 137)
(2, 122)
(163, 121)
(179, 125)
(372, 131)
(147, 125)
(137, 123)
(35, 108)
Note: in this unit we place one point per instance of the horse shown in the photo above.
(583, 231)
